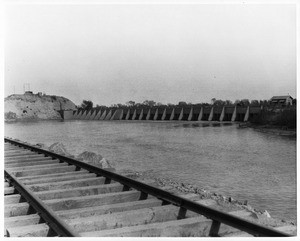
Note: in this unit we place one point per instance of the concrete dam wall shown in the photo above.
(186, 113)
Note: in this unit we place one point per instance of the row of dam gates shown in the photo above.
(186, 113)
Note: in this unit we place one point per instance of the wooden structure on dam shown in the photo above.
(177, 113)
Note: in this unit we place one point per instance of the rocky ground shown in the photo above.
(226, 204)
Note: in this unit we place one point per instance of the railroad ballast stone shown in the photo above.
(86, 156)
(59, 148)
(94, 159)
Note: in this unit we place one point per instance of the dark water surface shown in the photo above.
(222, 158)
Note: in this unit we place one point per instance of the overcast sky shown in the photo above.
(168, 53)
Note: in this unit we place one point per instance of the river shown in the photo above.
(222, 158)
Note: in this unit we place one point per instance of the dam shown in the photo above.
(177, 113)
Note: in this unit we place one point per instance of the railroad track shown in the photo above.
(47, 194)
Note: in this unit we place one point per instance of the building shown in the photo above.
(282, 100)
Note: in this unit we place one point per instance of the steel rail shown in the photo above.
(54, 222)
(217, 216)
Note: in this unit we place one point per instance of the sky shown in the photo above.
(113, 53)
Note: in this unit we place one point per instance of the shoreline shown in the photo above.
(226, 203)
(220, 202)
(270, 129)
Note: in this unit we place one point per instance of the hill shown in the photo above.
(31, 106)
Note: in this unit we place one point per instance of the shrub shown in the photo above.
(10, 115)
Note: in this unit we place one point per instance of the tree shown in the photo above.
(182, 103)
(245, 102)
(228, 102)
(87, 104)
(150, 103)
(120, 105)
(265, 102)
(237, 102)
(213, 101)
(98, 107)
(254, 102)
(219, 102)
(130, 103)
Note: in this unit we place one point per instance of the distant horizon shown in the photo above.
(157, 102)
(114, 53)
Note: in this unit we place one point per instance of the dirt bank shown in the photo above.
(35, 107)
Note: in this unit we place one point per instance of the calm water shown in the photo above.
(241, 163)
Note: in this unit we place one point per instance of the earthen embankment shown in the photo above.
(35, 107)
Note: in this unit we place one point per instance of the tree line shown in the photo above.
(88, 104)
